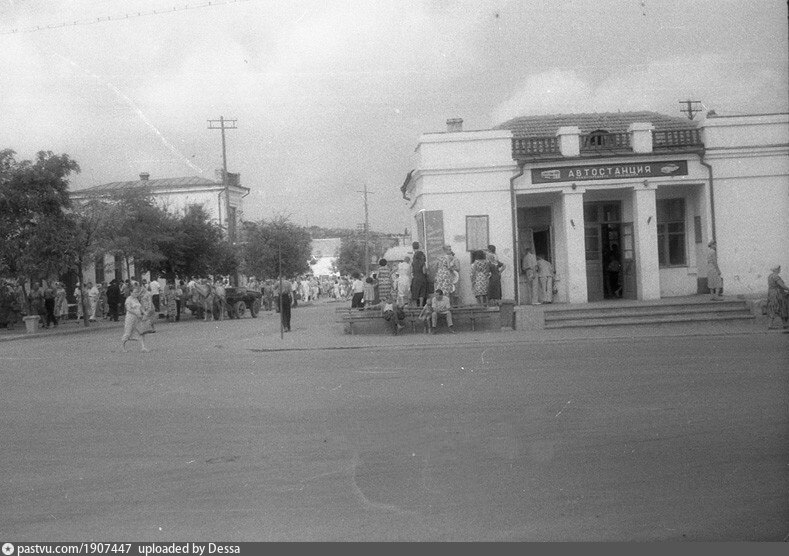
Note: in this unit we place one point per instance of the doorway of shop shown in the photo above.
(610, 254)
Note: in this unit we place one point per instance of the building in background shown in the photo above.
(174, 195)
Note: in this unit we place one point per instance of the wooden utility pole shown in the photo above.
(691, 109)
(224, 124)
(366, 233)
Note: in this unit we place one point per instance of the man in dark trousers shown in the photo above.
(113, 299)
(284, 288)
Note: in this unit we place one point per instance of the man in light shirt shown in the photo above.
(440, 305)
(530, 269)
(155, 289)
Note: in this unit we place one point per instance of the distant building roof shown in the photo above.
(163, 183)
(613, 122)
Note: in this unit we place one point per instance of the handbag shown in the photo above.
(144, 326)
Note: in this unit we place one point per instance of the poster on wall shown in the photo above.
(476, 232)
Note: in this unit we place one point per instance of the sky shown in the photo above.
(330, 97)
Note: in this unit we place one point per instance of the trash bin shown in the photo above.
(507, 313)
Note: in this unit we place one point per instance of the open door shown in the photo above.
(628, 262)
(594, 262)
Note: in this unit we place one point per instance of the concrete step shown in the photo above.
(637, 311)
(649, 319)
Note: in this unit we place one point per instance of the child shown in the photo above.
(369, 291)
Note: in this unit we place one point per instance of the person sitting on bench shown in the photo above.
(440, 305)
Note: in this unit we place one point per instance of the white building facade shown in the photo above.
(576, 188)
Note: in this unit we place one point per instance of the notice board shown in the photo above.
(430, 230)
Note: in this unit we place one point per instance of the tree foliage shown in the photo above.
(33, 212)
(266, 242)
(351, 258)
(136, 228)
(195, 246)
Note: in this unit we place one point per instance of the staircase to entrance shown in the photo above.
(627, 312)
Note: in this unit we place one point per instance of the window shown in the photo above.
(598, 138)
(671, 232)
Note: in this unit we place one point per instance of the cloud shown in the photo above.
(726, 83)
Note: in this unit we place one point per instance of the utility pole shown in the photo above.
(224, 124)
(691, 109)
(366, 233)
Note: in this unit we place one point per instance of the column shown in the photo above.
(572, 224)
(645, 236)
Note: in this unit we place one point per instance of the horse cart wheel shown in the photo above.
(240, 308)
(255, 309)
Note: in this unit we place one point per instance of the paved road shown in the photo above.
(209, 437)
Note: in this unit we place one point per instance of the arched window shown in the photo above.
(598, 138)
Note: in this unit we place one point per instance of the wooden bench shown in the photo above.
(353, 318)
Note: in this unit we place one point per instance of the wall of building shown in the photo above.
(468, 174)
(750, 160)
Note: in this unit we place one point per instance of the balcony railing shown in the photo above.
(676, 138)
(596, 143)
(534, 146)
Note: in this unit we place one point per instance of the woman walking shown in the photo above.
(136, 324)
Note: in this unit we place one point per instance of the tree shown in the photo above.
(193, 245)
(136, 229)
(266, 242)
(33, 204)
(351, 257)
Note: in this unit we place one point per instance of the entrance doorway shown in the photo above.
(610, 256)
(535, 232)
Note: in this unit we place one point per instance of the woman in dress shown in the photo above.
(480, 276)
(447, 272)
(418, 275)
(496, 266)
(61, 303)
(136, 323)
(777, 299)
(384, 277)
(404, 282)
(714, 279)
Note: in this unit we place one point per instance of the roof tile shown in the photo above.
(613, 122)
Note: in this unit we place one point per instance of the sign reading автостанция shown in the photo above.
(610, 171)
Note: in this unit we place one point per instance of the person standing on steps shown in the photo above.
(714, 278)
(530, 269)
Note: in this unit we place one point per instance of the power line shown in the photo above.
(691, 107)
(127, 16)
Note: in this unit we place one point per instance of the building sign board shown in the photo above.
(610, 171)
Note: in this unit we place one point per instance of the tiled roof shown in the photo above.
(164, 183)
(613, 122)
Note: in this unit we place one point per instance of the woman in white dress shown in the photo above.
(136, 324)
(404, 282)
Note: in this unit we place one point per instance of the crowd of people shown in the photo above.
(389, 286)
